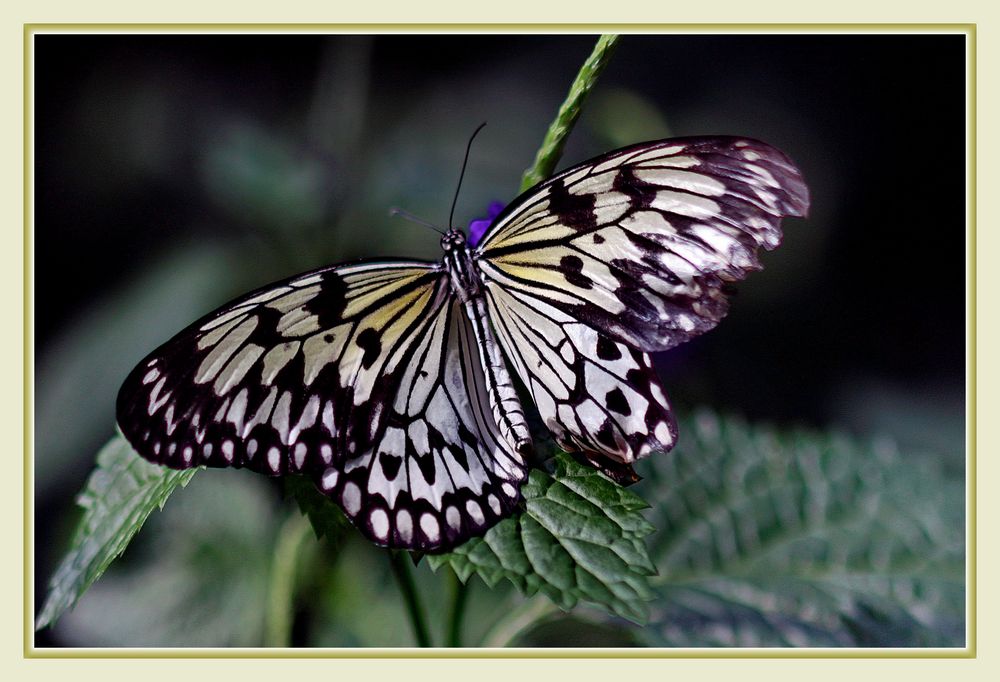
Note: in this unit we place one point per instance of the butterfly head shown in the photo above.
(453, 240)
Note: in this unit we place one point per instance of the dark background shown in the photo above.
(174, 172)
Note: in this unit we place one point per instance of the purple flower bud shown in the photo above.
(478, 227)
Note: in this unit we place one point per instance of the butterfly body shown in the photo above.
(467, 289)
(391, 383)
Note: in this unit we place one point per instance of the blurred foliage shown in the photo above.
(765, 538)
(604, 118)
(199, 577)
(799, 538)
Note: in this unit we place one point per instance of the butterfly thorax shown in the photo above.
(465, 280)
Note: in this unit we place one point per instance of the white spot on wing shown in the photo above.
(280, 417)
(453, 518)
(237, 410)
(307, 419)
(237, 368)
(418, 436)
(380, 524)
(155, 400)
(266, 296)
(328, 418)
(218, 356)
(430, 526)
(394, 443)
(318, 352)
(297, 322)
(263, 412)
(273, 458)
(168, 416)
(472, 508)
(690, 205)
(404, 525)
(351, 498)
(662, 434)
(294, 299)
(688, 181)
(277, 358)
(595, 184)
(306, 281)
(300, 455)
(228, 316)
(329, 479)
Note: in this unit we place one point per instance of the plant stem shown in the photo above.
(459, 595)
(404, 577)
(555, 139)
(281, 592)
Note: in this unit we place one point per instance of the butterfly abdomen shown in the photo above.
(504, 403)
(505, 406)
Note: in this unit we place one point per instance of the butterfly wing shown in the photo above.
(642, 241)
(596, 395)
(624, 254)
(359, 376)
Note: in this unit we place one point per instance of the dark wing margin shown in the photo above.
(357, 376)
(641, 242)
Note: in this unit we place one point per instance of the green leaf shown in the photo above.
(326, 517)
(119, 495)
(200, 573)
(799, 538)
(579, 538)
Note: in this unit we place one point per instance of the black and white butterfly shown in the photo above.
(391, 383)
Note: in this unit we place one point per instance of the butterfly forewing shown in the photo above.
(640, 242)
(358, 376)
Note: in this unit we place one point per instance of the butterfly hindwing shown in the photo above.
(596, 396)
(440, 472)
(641, 242)
(341, 374)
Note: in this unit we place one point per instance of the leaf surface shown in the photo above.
(580, 537)
(120, 493)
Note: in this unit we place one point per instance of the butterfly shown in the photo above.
(393, 383)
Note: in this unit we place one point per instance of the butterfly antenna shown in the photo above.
(400, 213)
(468, 147)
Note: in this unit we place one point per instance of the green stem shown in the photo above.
(459, 596)
(404, 577)
(555, 139)
(281, 593)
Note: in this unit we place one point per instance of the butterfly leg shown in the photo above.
(507, 410)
